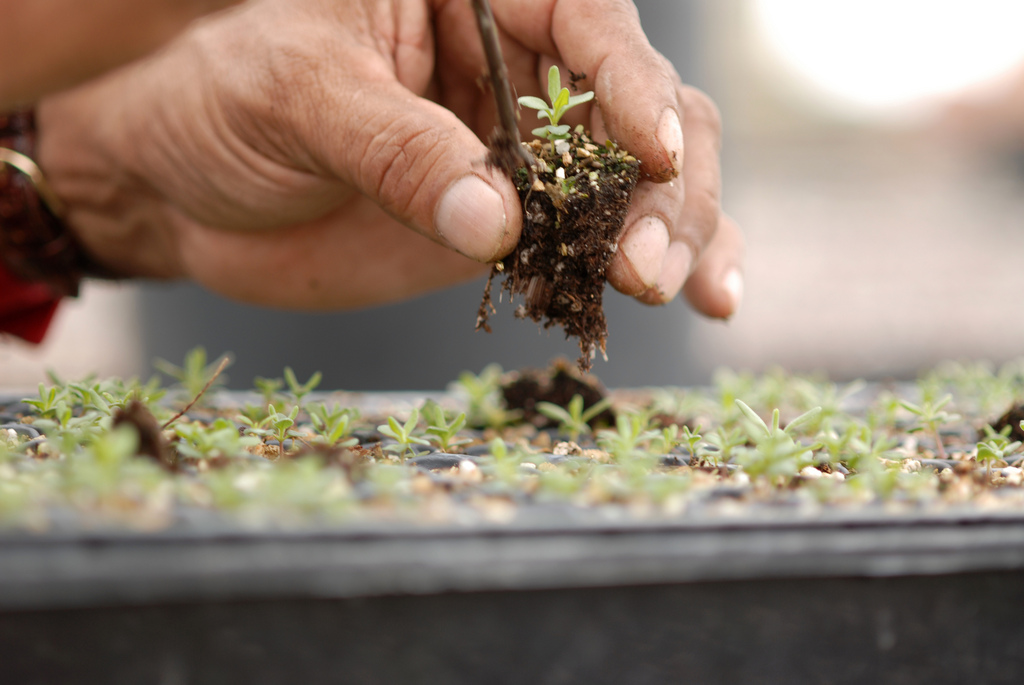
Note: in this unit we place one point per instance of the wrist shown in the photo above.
(35, 245)
(118, 218)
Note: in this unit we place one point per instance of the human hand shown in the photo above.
(989, 116)
(46, 45)
(277, 153)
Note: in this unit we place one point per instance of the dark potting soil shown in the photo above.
(1012, 418)
(558, 384)
(575, 203)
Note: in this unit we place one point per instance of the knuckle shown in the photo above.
(398, 160)
(703, 207)
(701, 110)
(274, 103)
(700, 221)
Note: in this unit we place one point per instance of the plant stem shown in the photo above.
(216, 374)
(941, 451)
(507, 150)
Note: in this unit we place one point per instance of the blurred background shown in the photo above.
(873, 154)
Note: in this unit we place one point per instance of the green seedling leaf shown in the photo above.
(595, 409)
(561, 102)
(752, 415)
(552, 132)
(805, 419)
(534, 103)
(554, 83)
(300, 390)
(580, 99)
(560, 105)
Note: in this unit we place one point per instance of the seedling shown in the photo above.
(997, 448)
(573, 419)
(48, 403)
(829, 397)
(667, 439)
(268, 388)
(90, 397)
(929, 417)
(867, 450)
(692, 439)
(195, 375)
(403, 434)
(482, 394)
(561, 102)
(624, 442)
(88, 467)
(670, 436)
(282, 426)
(334, 425)
(506, 462)
(777, 452)
(220, 439)
(726, 440)
(276, 425)
(440, 430)
(300, 390)
(838, 444)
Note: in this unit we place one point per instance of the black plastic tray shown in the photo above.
(843, 598)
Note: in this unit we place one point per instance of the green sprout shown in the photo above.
(506, 463)
(48, 403)
(777, 451)
(838, 444)
(403, 434)
(268, 388)
(276, 425)
(90, 397)
(282, 426)
(194, 374)
(997, 447)
(300, 390)
(930, 416)
(867, 450)
(442, 432)
(671, 435)
(624, 442)
(726, 440)
(333, 425)
(220, 439)
(692, 439)
(485, 406)
(561, 102)
(573, 419)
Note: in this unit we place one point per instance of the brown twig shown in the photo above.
(507, 150)
(216, 374)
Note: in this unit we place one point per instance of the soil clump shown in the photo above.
(523, 390)
(575, 200)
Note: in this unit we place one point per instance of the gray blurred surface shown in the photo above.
(425, 343)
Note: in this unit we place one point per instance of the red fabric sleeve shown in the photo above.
(26, 309)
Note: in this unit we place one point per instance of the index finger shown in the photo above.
(634, 84)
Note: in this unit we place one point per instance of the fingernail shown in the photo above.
(670, 135)
(674, 271)
(732, 284)
(471, 218)
(644, 245)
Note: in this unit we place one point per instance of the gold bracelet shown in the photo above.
(28, 167)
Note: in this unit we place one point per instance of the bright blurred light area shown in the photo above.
(891, 57)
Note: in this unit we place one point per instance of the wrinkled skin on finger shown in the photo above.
(280, 152)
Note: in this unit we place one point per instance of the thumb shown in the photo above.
(423, 166)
